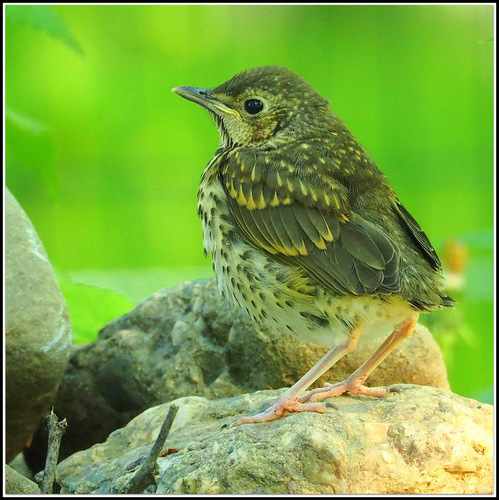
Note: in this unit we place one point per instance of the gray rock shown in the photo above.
(17, 484)
(188, 341)
(38, 329)
(424, 440)
(20, 466)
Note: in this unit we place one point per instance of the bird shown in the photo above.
(305, 232)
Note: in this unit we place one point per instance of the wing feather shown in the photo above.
(309, 223)
(418, 236)
(293, 229)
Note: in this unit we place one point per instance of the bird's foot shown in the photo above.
(278, 410)
(351, 385)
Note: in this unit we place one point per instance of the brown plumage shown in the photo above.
(305, 232)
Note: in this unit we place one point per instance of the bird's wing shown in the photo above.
(303, 217)
(418, 236)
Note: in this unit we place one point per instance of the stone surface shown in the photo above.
(38, 329)
(424, 440)
(188, 341)
(17, 484)
(20, 466)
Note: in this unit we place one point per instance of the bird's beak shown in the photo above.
(202, 97)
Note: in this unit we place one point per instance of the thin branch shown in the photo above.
(56, 430)
(144, 476)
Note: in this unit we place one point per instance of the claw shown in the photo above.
(394, 389)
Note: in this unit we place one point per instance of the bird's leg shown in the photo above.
(289, 401)
(354, 383)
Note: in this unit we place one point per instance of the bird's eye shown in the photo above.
(253, 106)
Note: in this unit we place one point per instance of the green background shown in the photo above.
(106, 160)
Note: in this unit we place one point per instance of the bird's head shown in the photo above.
(267, 105)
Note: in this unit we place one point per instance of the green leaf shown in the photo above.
(30, 155)
(42, 18)
(24, 122)
(91, 307)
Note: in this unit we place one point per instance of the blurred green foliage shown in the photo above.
(106, 161)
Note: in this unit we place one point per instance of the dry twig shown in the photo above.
(56, 430)
(144, 476)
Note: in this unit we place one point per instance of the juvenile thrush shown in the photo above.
(305, 232)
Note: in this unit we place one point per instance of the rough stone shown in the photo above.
(188, 341)
(38, 329)
(20, 466)
(424, 440)
(17, 484)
